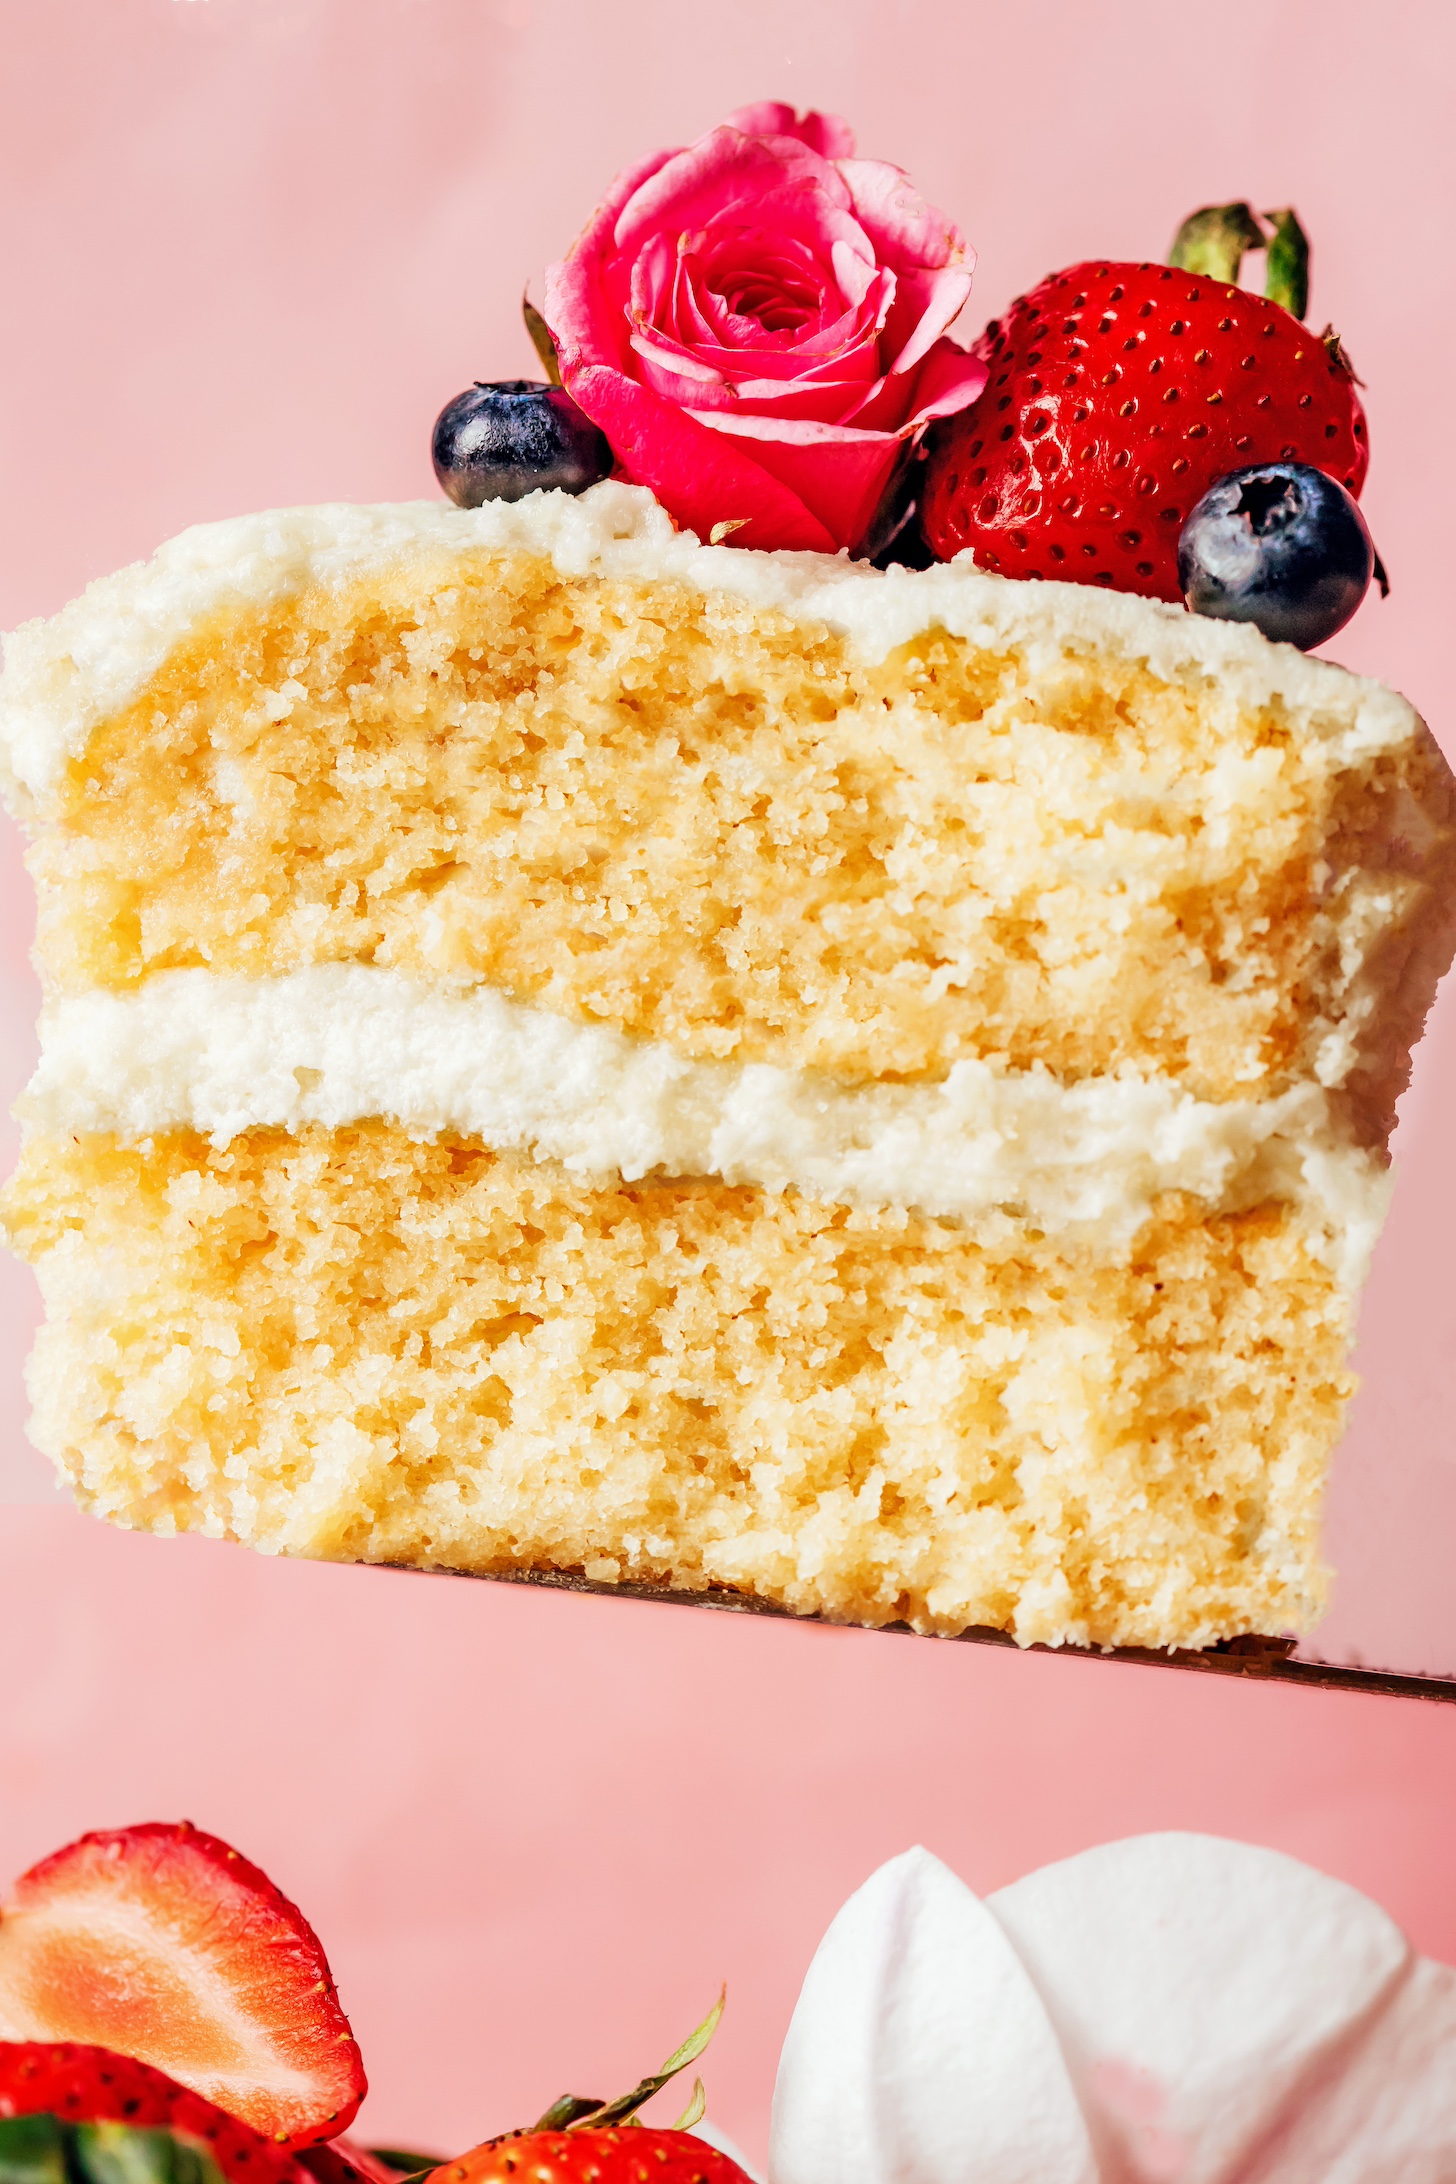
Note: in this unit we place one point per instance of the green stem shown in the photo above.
(1213, 240)
(627, 2104)
(1286, 269)
(541, 341)
(567, 2110)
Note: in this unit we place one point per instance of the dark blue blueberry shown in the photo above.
(1280, 545)
(502, 440)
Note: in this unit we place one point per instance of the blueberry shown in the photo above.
(1280, 545)
(504, 439)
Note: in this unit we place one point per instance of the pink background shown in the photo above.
(250, 246)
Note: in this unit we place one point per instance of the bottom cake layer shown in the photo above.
(350, 1344)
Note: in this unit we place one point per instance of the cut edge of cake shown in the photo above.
(65, 673)
(222, 1115)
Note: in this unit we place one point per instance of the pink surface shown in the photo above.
(535, 1831)
(250, 247)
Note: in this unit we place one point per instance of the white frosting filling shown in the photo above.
(336, 1043)
(64, 675)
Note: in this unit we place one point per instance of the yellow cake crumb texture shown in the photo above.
(676, 814)
(743, 809)
(354, 1345)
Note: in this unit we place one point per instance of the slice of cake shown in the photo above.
(567, 1049)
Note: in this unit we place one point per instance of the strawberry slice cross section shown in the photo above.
(163, 1943)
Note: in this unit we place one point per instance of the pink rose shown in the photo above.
(758, 324)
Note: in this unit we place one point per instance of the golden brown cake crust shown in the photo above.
(354, 1345)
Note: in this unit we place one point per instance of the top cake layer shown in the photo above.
(64, 676)
(758, 807)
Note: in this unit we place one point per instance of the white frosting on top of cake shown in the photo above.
(1173, 2009)
(64, 675)
(338, 1043)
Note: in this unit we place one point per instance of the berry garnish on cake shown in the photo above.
(158, 1945)
(1281, 545)
(1117, 394)
(571, 1048)
(503, 439)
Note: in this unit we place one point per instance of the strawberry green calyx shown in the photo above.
(1212, 241)
(1286, 265)
(570, 2112)
(32, 2150)
(567, 2109)
(44, 2149)
(584, 2142)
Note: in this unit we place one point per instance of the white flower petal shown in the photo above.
(1386, 2113)
(708, 2132)
(919, 2053)
(1198, 1987)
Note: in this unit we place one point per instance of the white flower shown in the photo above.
(1173, 2009)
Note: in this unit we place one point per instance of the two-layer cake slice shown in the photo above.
(569, 1049)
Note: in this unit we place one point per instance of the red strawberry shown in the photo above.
(632, 2154)
(79, 2084)
(582, 2141)
(162, 1943)
(1117, 395)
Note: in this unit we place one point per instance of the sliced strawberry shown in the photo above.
(162, 1943)
(79, 2084)
(343, 2161)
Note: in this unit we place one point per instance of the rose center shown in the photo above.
(780, 307)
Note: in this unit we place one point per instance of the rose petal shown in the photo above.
(826, 134)
(949, 379)
(653, 277)
(856, 273)
(701, 477)
(717, 379)
(826, 375)
(832, 404)
(725, 176)
(768, 300)
(579, 308)
(925, 306)
(848, 349)
(837, 472)
(678, 378)
(699, 310)
(904, 229)
(768, 305)
(764, 286)
(919, 2052)
(827, 352)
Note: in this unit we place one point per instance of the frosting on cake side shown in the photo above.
(341, 1043)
